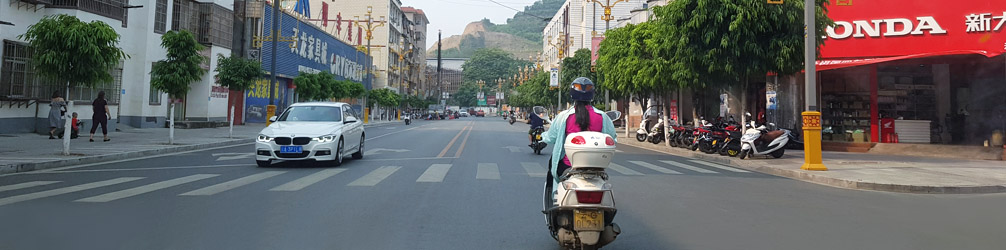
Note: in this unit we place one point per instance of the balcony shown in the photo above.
(107, 8)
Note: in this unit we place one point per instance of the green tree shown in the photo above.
(174, 74)
(314, 86)
(728, 42)
(466, 95)
(74, 53)
(350, 89)
(384, 97)
(237, 73)
(489, 65)
(628, 65)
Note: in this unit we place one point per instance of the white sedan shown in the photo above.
(314, 131)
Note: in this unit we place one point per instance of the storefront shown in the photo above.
(914, 71)
(312, 50)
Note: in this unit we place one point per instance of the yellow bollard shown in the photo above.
(366, 115)
(812, 141)
(399, 115)
(270, 111)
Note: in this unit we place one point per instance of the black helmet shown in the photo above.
(582, 89)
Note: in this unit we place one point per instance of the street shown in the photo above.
(470, 183)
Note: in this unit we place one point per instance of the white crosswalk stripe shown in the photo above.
(26, 185)
(211, 190)
(65, 190)
(533, 169)
(721, 166)
(488, 171)
(655, 167)
(685, 166)
(305, 181)
(375, 176)
(435, 173)
(622, 169)
(145, 188)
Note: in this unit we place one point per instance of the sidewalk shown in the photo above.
(29, 151)
(905, 174)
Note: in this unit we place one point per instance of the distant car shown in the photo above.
(313, 131)
(480, 113)
(463, 114)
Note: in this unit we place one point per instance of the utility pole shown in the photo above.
(440, 87)
(270, 109)
(811, 117)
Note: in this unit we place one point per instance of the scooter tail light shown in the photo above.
(589, 197)
(578, 140)
(609, 141)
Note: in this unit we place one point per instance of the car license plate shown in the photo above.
(290, 149)
(588, 220)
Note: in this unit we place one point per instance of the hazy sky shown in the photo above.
(451, 16)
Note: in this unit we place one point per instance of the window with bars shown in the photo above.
(161, 17)
(18, 79)
(107, 8)
(210, 23)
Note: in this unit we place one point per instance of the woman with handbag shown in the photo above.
(57, 108)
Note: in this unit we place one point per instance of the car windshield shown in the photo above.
(312, 114)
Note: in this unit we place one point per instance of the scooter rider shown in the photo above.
(536, 122)
(582, 117)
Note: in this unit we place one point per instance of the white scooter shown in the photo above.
(408, 119)
(579, 212)
(762, 141)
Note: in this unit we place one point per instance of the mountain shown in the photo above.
(521, 35)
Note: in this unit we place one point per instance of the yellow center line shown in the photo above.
(463, 142)
(442, 153)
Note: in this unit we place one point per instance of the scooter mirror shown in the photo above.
(614, 115)
(747, 114)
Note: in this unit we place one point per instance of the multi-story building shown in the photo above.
(419, 85)
(577, 22)
(132, 100)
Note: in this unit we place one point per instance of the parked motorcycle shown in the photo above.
(580, 211)
(656, 135)
(651, 116)
(730, 145)
(760, 140)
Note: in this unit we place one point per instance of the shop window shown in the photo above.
(845, 100)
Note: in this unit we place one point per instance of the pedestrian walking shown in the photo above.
(57, 108)
(100, 116)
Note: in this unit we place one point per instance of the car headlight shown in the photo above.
(325, 138)
(264, 138)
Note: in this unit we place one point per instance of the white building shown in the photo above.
(25, 98)
(578, 21)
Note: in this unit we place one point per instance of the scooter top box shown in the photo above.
(589, 149)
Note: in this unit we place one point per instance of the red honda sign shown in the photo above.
(885, 28)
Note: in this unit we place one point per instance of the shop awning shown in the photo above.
(829, 64)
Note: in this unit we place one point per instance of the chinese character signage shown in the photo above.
(915, 28)
(314, 51)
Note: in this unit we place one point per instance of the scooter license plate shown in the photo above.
(537, 137)
(590, 220)
(714, 143)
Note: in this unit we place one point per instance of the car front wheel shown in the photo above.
(359, 152)
(338, 154)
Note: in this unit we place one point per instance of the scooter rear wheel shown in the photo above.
(640, 137)
(778, 153)
(743, 154)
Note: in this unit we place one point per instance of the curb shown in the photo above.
(33, 166)
(808, 176)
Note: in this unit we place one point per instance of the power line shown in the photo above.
(536, 16)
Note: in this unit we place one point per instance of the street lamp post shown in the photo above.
(561, 45)
(370, 26)
(607, 24)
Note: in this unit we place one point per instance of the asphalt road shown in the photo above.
(461, 184)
